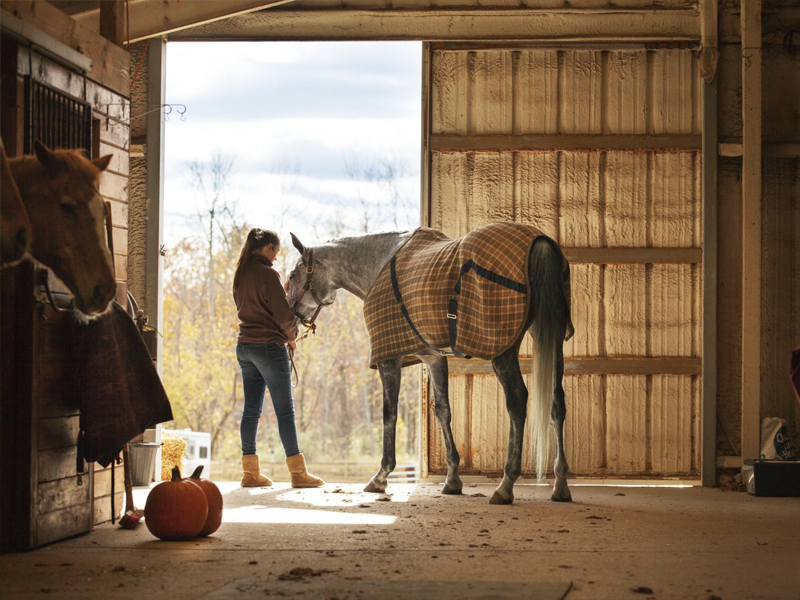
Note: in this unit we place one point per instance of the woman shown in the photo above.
(266, 327)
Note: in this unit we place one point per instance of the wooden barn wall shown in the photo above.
(780, 261)
(110, 113)
(617, 424)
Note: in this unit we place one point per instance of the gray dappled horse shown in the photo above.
(354, 264)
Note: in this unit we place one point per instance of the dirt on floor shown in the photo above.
(610, 542)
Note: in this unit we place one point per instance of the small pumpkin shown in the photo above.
(176, 509)
(214, 499)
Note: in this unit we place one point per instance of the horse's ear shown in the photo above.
(298, 244)
(47, 157)
(102, 162)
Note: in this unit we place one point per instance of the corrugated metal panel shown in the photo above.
(617, 424)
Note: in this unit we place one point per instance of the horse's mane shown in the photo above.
(366, 235)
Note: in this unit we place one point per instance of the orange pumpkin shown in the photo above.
(177, 509)
(214, 499)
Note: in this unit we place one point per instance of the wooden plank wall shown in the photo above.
(110, 112)
(780, 243)
(617, 424)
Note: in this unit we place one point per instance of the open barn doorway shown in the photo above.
(318, 139)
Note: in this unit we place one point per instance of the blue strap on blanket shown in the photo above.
(399, 298)
(452, 305)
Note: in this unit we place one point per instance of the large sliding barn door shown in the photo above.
(600, 149)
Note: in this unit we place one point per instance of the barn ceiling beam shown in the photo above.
(568, 25)
(549, 143)
(112, 21)
(152, 18)
(751, 228)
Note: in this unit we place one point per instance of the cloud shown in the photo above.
(296, 107)
(265, 80)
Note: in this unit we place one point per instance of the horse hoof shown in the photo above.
(498, 499)
(374, 488)
(563, 498)
(451, 490)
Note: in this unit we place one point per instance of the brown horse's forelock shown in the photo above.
(78, 162)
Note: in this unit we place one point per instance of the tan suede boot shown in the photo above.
(251, 472)
(301, 478)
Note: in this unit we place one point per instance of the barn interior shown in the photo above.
(656, 142)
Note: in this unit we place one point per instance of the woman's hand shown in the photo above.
(292, 345)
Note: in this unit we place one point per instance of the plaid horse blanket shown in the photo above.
(473, 290)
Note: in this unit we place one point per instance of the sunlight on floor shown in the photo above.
(348, 494)
(262, 514)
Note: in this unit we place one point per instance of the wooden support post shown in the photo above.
(751, 228)
(112, 21)
(154, 231)
(709, 377)
(425, 221)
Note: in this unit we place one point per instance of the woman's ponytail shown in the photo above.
(256, 239)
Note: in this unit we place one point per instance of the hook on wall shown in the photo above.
(167, 109)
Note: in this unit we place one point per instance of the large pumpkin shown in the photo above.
(177, 509)
(214, 499)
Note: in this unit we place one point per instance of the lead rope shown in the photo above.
(294, 376)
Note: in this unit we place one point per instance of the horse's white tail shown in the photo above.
(550, 308)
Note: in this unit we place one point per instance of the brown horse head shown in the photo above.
(60, 190)
(15, 228)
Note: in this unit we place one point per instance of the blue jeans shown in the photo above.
(266, 365)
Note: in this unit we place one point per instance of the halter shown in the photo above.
(309, 287)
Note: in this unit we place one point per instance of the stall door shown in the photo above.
(600, 149)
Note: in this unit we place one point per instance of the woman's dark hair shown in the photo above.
(256, 239)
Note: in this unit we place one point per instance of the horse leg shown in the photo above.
(506, 367)
(557, 415)
(437, 368)
(390, 378)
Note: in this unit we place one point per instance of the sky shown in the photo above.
(324, 136)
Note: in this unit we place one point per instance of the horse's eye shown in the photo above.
(69, 210)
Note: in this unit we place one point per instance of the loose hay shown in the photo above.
(172, 450)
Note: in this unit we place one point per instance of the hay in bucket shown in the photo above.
(172, 450)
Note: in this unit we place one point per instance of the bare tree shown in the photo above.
(380, 177)
(211, 181)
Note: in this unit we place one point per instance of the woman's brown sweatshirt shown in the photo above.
(264, 313)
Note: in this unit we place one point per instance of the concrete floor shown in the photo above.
(681, 543)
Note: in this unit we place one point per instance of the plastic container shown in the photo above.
(772, 477)
(143, 462)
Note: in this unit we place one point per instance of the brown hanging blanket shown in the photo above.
(118, 386)
(481, 277)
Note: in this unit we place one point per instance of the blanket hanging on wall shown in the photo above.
(119, 389)
(410, 308)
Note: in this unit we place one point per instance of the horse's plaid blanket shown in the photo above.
(492, 303)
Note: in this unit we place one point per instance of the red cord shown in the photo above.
(139, 66)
